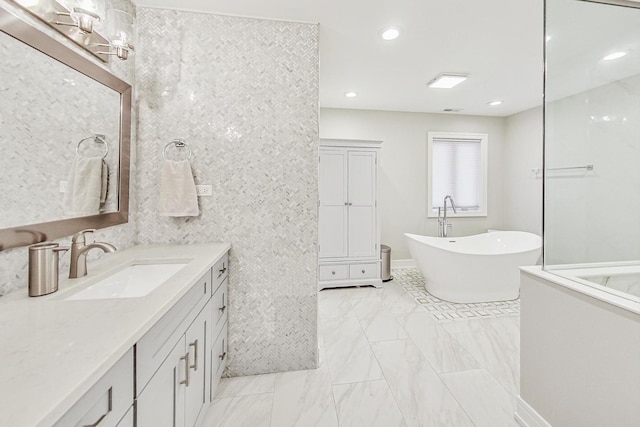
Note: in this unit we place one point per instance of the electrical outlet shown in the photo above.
(204, 190)
(63, 186)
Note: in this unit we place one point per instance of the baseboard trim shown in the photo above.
(526, 416)
(402, 263)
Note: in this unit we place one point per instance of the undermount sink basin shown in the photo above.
(134, 281)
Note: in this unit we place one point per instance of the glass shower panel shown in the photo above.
(592, 136)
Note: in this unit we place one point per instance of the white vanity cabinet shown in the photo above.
(177, 361)
(173, 372)
(349, 219)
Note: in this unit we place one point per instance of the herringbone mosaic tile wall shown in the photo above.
(243, 93)
(14, 262)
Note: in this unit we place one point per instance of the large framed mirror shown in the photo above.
(65, 130)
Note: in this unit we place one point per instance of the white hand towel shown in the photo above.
(177, 189)
(84, 187)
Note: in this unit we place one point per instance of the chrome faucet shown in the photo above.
(443, 225)
(79, 249)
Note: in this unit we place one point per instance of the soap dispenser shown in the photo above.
(43, 268)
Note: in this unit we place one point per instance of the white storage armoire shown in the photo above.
(349, 220)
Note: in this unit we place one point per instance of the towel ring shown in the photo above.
(100, 139)
(179, 143)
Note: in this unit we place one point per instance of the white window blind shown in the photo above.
(457, 172)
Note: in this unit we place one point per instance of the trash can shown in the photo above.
(385, 255)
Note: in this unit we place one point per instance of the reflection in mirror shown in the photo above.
(47, 108)
(65, 123)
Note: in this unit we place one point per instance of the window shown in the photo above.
(457, 167)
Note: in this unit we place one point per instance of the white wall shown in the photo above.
(522, 189)
(403, 167)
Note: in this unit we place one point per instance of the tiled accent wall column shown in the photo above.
(243, 93)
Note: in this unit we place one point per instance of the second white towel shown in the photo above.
(177, 189)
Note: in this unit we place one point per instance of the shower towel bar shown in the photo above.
(585, 167)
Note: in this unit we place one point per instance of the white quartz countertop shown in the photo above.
(52, 350)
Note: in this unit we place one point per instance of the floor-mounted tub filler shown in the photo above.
(478, 268)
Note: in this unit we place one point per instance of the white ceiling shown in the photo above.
(497, 42)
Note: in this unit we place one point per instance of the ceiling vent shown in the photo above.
(452, 110)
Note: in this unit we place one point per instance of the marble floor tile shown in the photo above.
(244, 386)
(421, 395)
(486, 402)
(304, 398)
(334, 303)
(369, 404)
(335, 331)
(438, 346)
(378, 323)
(253, 410)
(461, 326)
(495, 355)
(351, 362)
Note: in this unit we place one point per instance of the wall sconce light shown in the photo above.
(85, 14)
(86, 22)
(121, 32)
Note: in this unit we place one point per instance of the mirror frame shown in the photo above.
(13, 237)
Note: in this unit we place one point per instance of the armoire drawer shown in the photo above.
(364, 271)
(334, 272)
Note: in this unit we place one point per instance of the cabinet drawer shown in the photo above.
(156, 344)
(334, 272)
(220, 271)
(218, 358)
(107, 401)
(219, 308)
(364, 271)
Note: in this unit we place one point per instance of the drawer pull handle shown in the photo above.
(223, 308)
(186, 370)
(363, 271)
(333, 272)
(223, 355)
(222, 270)
(109, 408)
(195, 355)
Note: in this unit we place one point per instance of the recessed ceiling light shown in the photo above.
(390, 33)
(351, 94)
(495, 103)
(447, 80)
(614, 55)
(548, 37)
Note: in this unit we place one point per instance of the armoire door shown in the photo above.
(362, 179)
(332, 226)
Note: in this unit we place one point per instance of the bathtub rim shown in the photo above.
(590, 289)
(476, 253)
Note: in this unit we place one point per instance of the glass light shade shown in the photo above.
(87, 13)
(121, 29)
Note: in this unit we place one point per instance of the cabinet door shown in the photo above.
(161, 403)
(195, 391)
(333, 204)
(362, 192)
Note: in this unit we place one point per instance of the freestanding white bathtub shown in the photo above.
(478, 268)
